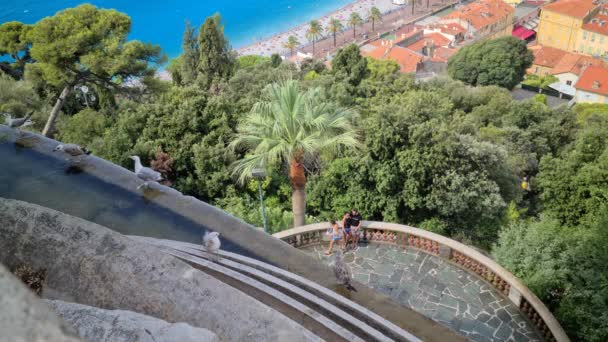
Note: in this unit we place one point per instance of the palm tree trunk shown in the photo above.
(373, 22)
(334, 39)
(413, 4)
(298, 196)
(313, 47)
(354, 31)
(427, 3)
(49, 127)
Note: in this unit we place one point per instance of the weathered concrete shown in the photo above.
(92, 265)
(99, 325)
(24, 317)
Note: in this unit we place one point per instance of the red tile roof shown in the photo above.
(436, 39)
(572, 8)
(575, 63)
(482, 13)
(546, 56)
(598, 24)
(442, 54)
(408, 60)
(594, 80)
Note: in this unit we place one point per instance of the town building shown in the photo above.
(483, 19)
(579, 26)
(592, 86)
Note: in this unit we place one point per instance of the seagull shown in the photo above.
(72, 149)
(18, 122)
(343, 273)
(145, 173)
(212, 243)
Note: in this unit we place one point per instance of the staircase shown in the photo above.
(327, 314)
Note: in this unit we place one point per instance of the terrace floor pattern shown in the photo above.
(437, 289)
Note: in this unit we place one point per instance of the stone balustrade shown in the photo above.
(464, 256)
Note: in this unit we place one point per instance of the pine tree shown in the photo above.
(215, 58)
(190, 55)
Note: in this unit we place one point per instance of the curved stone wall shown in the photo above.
(453, 251)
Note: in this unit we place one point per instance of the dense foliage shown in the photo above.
(502, 62)
(439, 154)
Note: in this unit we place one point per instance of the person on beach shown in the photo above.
(347, 231)
(335, 236)
(355, 224)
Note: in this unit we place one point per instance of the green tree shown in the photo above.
(335, 27)
(84, 128)
(216, 61)
(353, 21)
(502, 61)
(275, 60)
(374, 15)
(190, 57)
(349, 65)
(313, 33)
(292, 127)
(14, 43)
(86, 45)
(249, 61)
(292, 43)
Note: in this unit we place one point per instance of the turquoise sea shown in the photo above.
(162, 21)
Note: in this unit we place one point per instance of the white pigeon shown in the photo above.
(72, 149)
(211, 241)
(342, 272)
(145, 173)
(17, 122)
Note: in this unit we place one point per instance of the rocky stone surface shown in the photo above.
(438, 289)
(24, 317)
(92, 265)
(99, 325)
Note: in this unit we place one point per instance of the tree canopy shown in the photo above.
(502, 62)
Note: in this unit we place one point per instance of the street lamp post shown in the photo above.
(260, 174)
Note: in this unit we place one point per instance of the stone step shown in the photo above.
(356, 318)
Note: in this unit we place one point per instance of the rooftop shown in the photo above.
(571, 8)
(407, 59)
(594, 79)
(547, 56)
(482, 13)
(599, 23)
(436, 39)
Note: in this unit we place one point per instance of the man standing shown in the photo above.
(347, 231)
(355, 224)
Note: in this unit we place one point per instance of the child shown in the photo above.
(335, 236)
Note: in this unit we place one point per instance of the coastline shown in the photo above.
(274, 43)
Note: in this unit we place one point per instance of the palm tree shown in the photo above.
(353, 21)
(335, 26)
(313, 33)
(291, 43)
(289, 126)
(374, 15)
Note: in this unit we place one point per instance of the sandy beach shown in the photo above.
(275, 43)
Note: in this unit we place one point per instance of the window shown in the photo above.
(601, 39)
(590, 50)
(582, 49)
(584, 35)
(569, 83)
(536, 70)
(598, 51)
(593, 37)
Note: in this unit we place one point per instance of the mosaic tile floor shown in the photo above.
(438, 290)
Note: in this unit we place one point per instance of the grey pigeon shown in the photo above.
(342, 272)
(211, 241)
(72, 149)
(145, 173)
(18, 122)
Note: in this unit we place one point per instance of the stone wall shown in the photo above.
(92, 265)
(24, 317)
